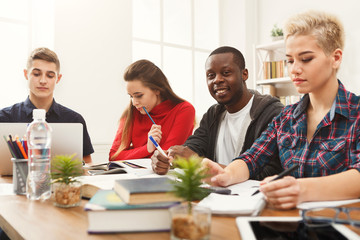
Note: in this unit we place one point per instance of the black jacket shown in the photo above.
(263, 110)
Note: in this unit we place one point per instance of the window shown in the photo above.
(177, 36)
(23, 27)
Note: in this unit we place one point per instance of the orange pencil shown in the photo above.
(21, 148)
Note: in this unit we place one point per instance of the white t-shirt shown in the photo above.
(232, 133)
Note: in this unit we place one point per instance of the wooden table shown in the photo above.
(21, 218)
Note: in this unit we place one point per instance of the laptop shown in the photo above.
(67, 139)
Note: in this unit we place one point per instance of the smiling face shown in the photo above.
(310, 69)
(226, 81)
(142, 96)
(42, 77)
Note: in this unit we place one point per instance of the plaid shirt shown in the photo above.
(334, 148)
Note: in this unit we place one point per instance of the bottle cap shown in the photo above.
(39, 113)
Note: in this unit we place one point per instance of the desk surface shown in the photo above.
(20, 218)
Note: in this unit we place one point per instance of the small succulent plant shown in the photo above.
(65, 169)
(188, 185)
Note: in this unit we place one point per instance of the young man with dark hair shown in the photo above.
(231, 126)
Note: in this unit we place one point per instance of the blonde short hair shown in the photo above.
(326, 28)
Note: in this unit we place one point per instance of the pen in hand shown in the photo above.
(281, 175)
(158, 147)
(153, 140)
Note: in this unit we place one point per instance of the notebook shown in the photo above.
(240, 202)
(67, 138)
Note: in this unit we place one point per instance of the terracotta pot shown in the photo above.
(67, 195)
(193, 226)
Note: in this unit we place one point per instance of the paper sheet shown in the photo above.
(245, 188)
(233, 204)
(240, 204)
(6, 189)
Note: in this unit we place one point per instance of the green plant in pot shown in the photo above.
(64, 172)
(277, 33)
(190, 221)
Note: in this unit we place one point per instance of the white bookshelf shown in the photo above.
(271, 52)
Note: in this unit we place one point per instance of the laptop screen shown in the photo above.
(67, 139)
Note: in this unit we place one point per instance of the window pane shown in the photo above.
(14, 52)
(147, 51)
(177, 22)
(203, 100)
(178, 70)
(146, 19)
(14, 9)
(206, 33)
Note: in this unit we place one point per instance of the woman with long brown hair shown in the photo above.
(149, 89)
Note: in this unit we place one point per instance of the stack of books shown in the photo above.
(134, 205)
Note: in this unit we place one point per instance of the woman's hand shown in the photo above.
(156, 133)
(216, 172)
(283, 193)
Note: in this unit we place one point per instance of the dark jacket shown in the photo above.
(263, 110)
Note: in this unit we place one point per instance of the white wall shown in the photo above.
(237, 21)
(93, 41)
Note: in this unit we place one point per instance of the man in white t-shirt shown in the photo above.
(232, 133)
(231, 126)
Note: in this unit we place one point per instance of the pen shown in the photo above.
(157, 146)
(10, 147)
(281, 175)
(149, 116)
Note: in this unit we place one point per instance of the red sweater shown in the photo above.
(177, 123)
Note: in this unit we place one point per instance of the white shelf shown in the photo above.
(274, 80)
(272, 46)
(282, 87)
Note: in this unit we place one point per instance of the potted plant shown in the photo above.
(64, 172)
(190, 221)
(277, 33)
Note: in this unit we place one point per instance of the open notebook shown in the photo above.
(67, 138)
(240, 202)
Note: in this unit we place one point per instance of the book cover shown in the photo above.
(108, 213)
(145, 190)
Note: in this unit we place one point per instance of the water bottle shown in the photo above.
(39, 143)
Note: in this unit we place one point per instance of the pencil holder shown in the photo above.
(20, 172)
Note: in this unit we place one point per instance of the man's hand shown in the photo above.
(181, 151)
(161, 164)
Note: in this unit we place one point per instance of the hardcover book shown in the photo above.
(108, 213)
(145, 190)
